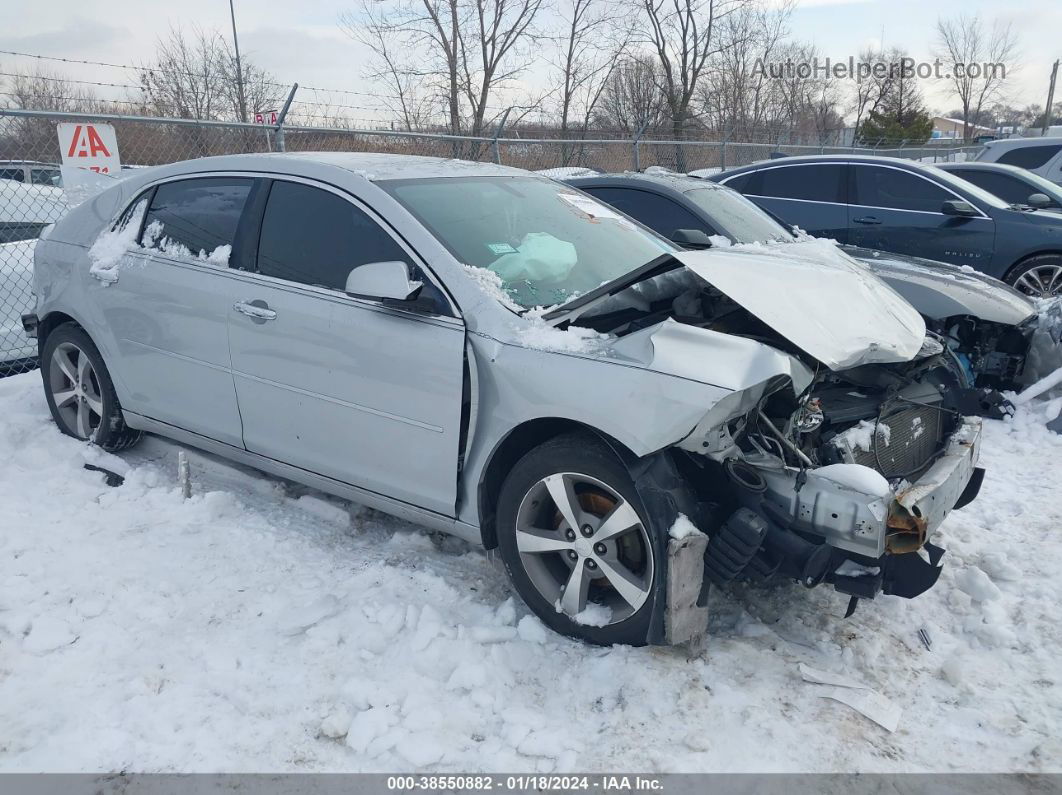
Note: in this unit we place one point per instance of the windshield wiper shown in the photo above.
(662, 264)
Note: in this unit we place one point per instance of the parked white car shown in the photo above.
(16, 299)
(1041, 156)
(25, 210)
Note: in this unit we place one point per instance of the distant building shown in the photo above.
(952, 129)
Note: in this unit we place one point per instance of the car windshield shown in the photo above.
(547, 242)
(742, 221)
(960, 184)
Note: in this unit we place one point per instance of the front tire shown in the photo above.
(80, 392)
(1039, 277)
(578, 543)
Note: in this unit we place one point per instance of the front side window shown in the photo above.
(1030, 156)
(874, 186)
(659, 213)
(822, 182)
(546, 242)
(196, 218)
(315, 237)
(1010, 189)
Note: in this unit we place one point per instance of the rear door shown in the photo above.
(168, 310)
(812, 196)
(348, 388)
(893, 209)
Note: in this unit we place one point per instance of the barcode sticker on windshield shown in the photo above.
(594, 209)
(501, 248)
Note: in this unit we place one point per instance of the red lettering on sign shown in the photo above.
(86, 142)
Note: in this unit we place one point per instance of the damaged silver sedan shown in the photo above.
(495, 355)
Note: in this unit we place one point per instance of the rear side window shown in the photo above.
(740, 183)
(874, 186)
(45, 176)
(818, 183)
(196, 217)
(659, 213)
(1030, 156)
(315, 237)
(1010, 189)
(17, 174)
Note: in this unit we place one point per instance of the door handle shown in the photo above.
(869, 220)
(257, 311)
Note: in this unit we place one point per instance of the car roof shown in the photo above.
(973, 165)
(895, 162)
(28, 163)
(1018, 143)
(679, 183)
(373, 166)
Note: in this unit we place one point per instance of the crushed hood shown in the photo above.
(831, 307)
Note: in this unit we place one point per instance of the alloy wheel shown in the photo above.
(582, 544)
(1043, 281)
(75, 389)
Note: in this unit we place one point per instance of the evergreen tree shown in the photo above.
(901, 116)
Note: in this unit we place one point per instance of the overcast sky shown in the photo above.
(301, 41)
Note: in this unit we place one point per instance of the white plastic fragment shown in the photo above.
(856, 695)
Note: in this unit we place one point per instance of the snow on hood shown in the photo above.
(939, 290)
(832, 308)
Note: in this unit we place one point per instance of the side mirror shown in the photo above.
(1039, 201)
(382, 281)
(691, 238)
(959, 208)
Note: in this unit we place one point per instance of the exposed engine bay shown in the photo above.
(840, 482)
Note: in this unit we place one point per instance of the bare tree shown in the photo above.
(463, 50)
(872, 88)
(194, 76)
(631, 100)
(41, 90)
(976, 59)
(682, 34)
(592, 45)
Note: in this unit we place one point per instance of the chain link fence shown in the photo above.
(31, 196)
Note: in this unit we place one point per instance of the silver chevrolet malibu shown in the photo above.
(496, 355)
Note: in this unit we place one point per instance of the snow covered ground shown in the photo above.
(258, 626)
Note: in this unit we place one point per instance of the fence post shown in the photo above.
(283, 115)
(637, 143)
(497, 135)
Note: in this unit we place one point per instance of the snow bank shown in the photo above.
(240, 631)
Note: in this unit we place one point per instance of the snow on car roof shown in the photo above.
(376, 165)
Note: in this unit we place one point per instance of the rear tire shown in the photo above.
(608, 569)
(1039, 276)
(80, 392)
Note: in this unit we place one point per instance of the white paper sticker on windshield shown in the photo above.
(591, 207)
(501, 248)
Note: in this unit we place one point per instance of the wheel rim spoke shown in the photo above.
(627, 585)
(83, 426)
(563, 496)
(573, 600)
(619, 520)
(1053, 285)
(84, 370)
(63, 398)
(536, 542)
(68, 368)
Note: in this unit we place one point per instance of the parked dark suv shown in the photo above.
(909, 208)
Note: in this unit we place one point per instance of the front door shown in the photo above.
(892, 209)
(344, 387)
(809, 195)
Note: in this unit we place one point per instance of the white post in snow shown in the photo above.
(183, 474)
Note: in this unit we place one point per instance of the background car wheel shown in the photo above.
(578, 544)
(79, 390)
(1040, 277)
